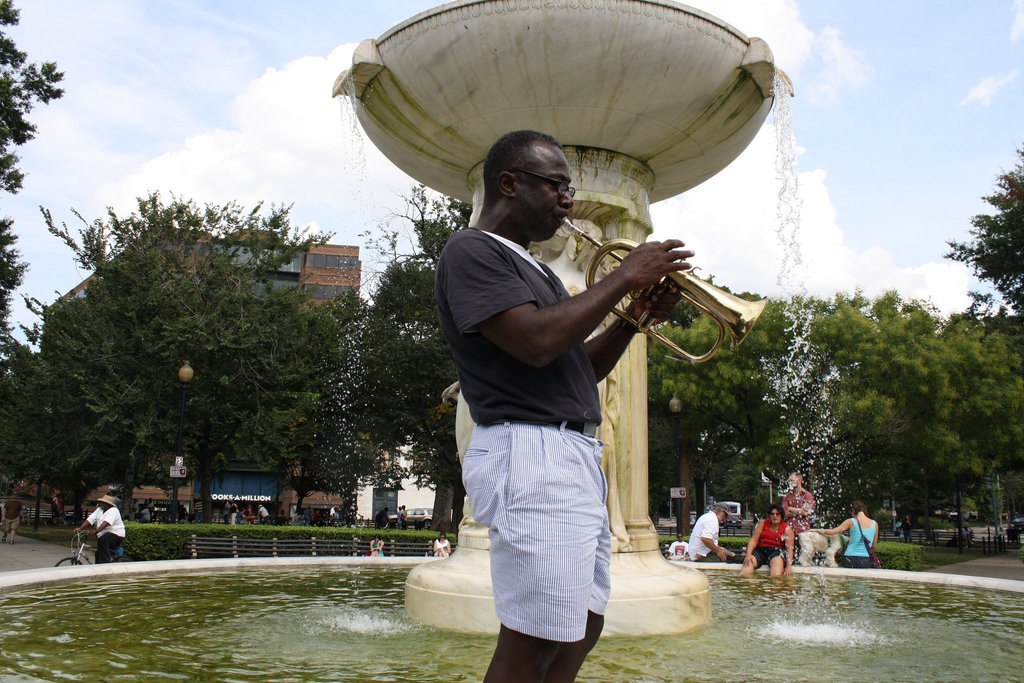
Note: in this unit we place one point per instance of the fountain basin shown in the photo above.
(669, 86)
(341, 619)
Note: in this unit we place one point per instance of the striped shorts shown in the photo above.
(540, 491)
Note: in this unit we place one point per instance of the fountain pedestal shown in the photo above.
(649, 98)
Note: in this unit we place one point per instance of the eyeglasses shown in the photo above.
(562, 186)
(774, 513)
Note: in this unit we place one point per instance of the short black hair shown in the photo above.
(777, 508)
(510, 152)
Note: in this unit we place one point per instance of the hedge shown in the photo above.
(891, 554)
(167, 541)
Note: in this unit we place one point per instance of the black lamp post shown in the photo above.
(185, 374)
(675, 406)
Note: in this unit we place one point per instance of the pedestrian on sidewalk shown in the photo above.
(13, 511)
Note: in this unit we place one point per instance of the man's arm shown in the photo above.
(715, 548)
(537, 336)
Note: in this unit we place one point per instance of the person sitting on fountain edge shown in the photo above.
(771, 543)
(532, 469)
(704, 536)
(860, 551)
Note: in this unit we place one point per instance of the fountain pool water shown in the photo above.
(346, 623)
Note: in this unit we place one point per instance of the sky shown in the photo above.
(904, 114)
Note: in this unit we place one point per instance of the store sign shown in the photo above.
(258, 498)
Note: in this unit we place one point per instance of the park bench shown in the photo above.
(233, 546)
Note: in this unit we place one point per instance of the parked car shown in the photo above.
(732, 522)
(419, 518)
(415, 518)
(1016, 523)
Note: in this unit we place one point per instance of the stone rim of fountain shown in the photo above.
(30, 578)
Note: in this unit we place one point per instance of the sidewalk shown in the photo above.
(28, 553)
(1003, 566)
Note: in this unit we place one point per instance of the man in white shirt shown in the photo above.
(264, 514)
(704, 537)
(109, 529)
(677, 550)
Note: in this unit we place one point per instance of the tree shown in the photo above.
(173, 282)
(411, 364)
(21, 86)
(319, 427)
(996, 250)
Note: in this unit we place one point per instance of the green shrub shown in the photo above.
(893, 555)
(167, 541)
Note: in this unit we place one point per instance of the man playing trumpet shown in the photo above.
(529, 376)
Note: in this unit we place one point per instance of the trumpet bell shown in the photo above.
(733, 315)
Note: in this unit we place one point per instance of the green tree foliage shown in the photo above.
(410, 362)
(896, 401)
(996, 249)
(171, 282)
(22, 85)
(724, 410)
(318, 438)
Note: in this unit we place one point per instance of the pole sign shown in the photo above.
(177, 472)
(677, 492)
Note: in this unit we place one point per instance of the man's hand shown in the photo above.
(650, 262)
(658, 308)
(722, 553)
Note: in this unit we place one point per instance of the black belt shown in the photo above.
(585, 428)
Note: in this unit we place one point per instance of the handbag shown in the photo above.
(875, 564)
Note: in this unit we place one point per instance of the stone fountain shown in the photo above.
(649, 98)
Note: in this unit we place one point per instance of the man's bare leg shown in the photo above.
(519, 657)
(570, 656)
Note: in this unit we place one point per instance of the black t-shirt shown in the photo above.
(477, 278)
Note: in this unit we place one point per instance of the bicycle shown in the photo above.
(78, 548)
(58, 520)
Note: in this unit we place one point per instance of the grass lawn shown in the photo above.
(939, 556)
(50, 534)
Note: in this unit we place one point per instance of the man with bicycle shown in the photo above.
(109, 529)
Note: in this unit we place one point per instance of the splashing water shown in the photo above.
(802, 633)
(372, 622)
(801, 379)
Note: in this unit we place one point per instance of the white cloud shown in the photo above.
(730, 221)
(288, 141)
(987, 89)
(843, 67)
(1017, 29)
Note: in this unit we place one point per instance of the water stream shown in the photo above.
(800, 380)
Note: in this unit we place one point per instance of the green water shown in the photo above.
(347, 624)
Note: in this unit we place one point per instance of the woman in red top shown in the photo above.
(771, 544)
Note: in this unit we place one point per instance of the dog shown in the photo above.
(813, 542)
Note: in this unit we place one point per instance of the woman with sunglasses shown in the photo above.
(771, 543)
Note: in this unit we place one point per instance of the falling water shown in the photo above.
(354, 156)
(800, 380)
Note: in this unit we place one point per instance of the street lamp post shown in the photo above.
(185, 375)
(675, 406)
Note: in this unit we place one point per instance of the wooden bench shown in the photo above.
(233, 546)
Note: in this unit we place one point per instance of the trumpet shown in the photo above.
(732, 314)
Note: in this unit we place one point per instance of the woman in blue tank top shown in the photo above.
(863, 534)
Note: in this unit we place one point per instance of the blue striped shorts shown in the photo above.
(540, 491)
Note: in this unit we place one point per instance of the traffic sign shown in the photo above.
(677, 492)
(178, 472)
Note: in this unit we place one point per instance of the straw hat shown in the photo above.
(109, 500)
